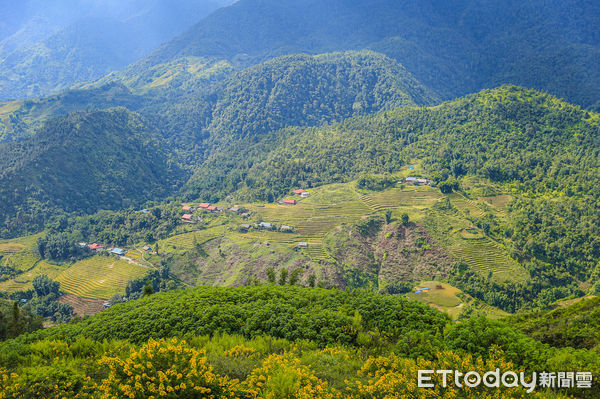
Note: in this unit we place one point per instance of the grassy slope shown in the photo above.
(231, 257)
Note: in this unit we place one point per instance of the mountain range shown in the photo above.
(46, 47)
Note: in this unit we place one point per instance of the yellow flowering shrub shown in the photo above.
(240, 351)
(164, 369)
(45, 382)
(392, 377)
(283, 376)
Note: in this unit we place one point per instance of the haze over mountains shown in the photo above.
(454, 48)
(47, 46)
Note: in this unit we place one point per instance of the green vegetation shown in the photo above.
(111, 161)
(454, 50)
(574, 325)
(48, 47)
(15, 321)
(243, 333)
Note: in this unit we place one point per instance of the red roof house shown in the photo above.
(211, 208)
(289, 201)
(187, 217)
(299, 191)
(186, 208)
(204, 205)
(95, 246)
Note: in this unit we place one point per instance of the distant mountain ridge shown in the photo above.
(453, 48)
(48, 46)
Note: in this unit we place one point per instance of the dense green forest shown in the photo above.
(324, 336)
(575, 325)
(81, 163)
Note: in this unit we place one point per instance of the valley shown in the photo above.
(299, 199)
(234, 255)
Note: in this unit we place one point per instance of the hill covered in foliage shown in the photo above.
(531, 144)
(271, 341)
(574, 325)
(81, 163)
(454, 49)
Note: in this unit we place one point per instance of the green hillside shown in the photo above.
(47, 47)
(271, 342)
(573, 325)
(81, 163)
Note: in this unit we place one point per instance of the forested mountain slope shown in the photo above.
(575, 325)
(454, 48)
(542, 149)
(508, 134)
(207, 99)
(81, 163)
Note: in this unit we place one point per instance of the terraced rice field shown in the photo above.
(283, 214)
(99, 277)
(466, 205)
(485, 256)
(23, 281)
(415, 197)
(21, 253)
(83, 306)
(186, 241)
(500, 202)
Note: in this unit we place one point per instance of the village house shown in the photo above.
(235, 209)
(211, 208)
(305, 194)
(265, 225)
(289, 201)
(95, 247)
(299, 191)
(245, 215)
(303, 244)
(286, 228)
(204, 205)
(187, 218)
(186, 208)
(146, 248)
(118, 251)
(416, 180)
(244, 227)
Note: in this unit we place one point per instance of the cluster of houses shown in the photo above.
(290, 201)
(205, 206)
(96, 247)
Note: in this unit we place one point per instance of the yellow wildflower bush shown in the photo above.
(240, 351)
(392, 377)
(283, 376)
(164, 369)
(45, 382)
